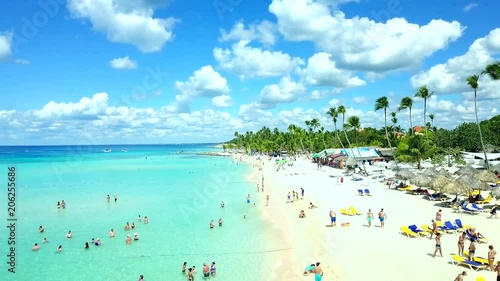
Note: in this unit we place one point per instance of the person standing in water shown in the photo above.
(248, 199)
(108, 198)
(116, 198)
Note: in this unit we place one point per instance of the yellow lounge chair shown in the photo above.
(458, 260)
(428, 229)
(343, 211)
(480, 278)
(406, 231)
(485, 201)
(354, 211)
(408, 188)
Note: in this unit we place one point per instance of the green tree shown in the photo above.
(353, 124)
(473, 83)
(341, 110)
(493, 70)
(333, 112)
(383, 103)
(424, 94)
(415, 149)
(407, 103)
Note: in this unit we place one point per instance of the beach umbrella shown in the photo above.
(466, 170)
(439, 181)
(474, 183)
(495, 193)
(404, 174)
(420, 180)
(430, 172)
(486, 176)
(456, 187)
(443, 172)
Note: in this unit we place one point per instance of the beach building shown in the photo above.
(336, 156)
(477, 160)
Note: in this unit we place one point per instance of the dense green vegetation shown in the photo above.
(412, 146)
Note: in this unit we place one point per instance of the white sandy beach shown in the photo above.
(359, 252)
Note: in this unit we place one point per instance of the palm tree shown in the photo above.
(315, 124)
(473, 83)
(407, 103)
(383, 103)
(354, 124)
(431, 116)
(424, 93)
(493, 70)
(333, 112)
(341, 110)
(415, 149)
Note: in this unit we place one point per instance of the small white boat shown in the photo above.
(107, 150)
(124, 150)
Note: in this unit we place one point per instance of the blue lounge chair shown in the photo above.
(360, 192)
(415, 229)
(449, 225)
(367, 192)
(477, 207)
(469, 210)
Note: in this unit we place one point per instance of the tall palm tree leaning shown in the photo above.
(493, 70)
(424, 94)
(431, 116)
(354, 124)
(473, 83)
(383, 103)
(407, 103)
(341, 110)
(334, 114)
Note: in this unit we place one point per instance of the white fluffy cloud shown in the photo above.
(263, 32)
(123, 63)
(5, 45)
(125, 22)
(469, 7)
(360, 100)
(204, 83)
(361, 43)
(248, 62)
(450, 77)
(85, 108)
(322, 71)
(285, 91)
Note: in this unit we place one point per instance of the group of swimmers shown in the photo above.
(212, 224)
(61, 204)
(127, 227)
(207, 271)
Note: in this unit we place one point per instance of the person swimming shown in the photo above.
(146, 220)
(128, 241)
(45, 240)
(222, 204)
(69, 235)
(213, 269)
(139, 218)
(59, 248)
(98, 242)
(221, 222)
(184, 267)
(41, 229)
(133, 225)
(112, 233)
(58, 205)
(35, 248)
(212, 224)
(93, 241)
(87, 245)
(63, 204)
(127, 226)
(108, 198)
(206, 270)
(136, 236)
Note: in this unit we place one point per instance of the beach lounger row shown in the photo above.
(472, 208)
(480, 260)
(446, 227)
(367, 192)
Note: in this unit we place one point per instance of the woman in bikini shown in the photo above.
(190, 274)
(184, 266)
(461, 244)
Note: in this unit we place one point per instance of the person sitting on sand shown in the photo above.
(35, 248)
(69, 235)
(460, 277)
(302, 214)
(128, 241)
(112, 233)
(311, 205)
(309, 269)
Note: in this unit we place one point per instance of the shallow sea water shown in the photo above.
(180, 194)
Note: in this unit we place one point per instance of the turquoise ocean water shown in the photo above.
(179, 192)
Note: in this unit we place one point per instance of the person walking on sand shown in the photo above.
(318, 272)
(333, 218)
(491, 257)
(382, 217)
(369, 217)
(493, 211)
(460, 277)
(461, 244)
(438, 245)
(434, 228)
(438, 215)
(472, 250)
(302, 192)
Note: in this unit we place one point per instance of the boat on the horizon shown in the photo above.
(106, 150)
(124, 150)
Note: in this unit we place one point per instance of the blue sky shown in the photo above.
(166, 71)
